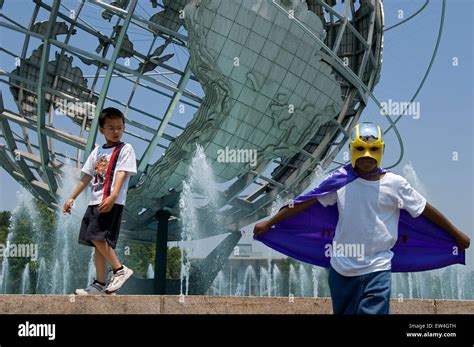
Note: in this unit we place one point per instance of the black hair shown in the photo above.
(110, 113)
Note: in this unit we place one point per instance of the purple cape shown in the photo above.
(421, 245)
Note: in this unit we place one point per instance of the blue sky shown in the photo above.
(446, 103)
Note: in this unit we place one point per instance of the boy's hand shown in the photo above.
(462, 240)
(68, 205)
(107, 204)
(261, 228)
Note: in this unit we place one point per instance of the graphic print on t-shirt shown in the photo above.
(104, 170)
(103, 164)
(100, 172)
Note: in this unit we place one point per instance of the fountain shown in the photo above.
(318, 175)
(315, 277)
(269, 275)
(304, 280)
(60, 267)
(264, 282)
(198, 195)
(23, 227)
(25, 280)
(42, 277)
(249, 276)
(292, 280)
(5, 269)
(411, 290)
(150, 273)
(55, 276)
(70, 258)
(276, 280)
(239, 290)
(218, 284)
(91, 268)
(446, 283)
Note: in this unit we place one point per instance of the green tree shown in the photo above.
(22, 225)
(173, 269)
(139, 255)
(4, 225)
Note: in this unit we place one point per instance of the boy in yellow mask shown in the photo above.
(369, 202)
(366, 142)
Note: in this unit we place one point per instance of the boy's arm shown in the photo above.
(79, 188)
(439, 219)
(85, 180)
(262, 227)
(107, 204)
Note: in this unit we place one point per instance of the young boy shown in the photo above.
(368, 215)
(109, 167)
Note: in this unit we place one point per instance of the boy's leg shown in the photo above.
(100, 267)
(98, 286)
(107, 252)
(345, 292)
(376, 293)
(121, 272)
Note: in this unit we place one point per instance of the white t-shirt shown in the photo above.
(368, 222)
(103, 164)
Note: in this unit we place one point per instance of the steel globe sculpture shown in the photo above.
(287, 79)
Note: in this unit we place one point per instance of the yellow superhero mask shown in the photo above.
(366, 141)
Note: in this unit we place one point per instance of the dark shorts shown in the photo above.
(101, 226)
(364, 294)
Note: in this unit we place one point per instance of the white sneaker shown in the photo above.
(119, 279)
(91, 289)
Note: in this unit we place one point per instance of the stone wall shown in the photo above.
(171, 304)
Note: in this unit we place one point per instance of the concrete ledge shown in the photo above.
(172, 304)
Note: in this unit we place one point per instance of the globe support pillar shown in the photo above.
(161, 251)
